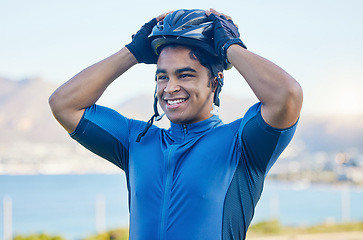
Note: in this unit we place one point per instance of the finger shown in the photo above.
(162, 16)
(215, 12)
(226, 17)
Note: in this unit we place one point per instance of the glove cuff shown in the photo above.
(228, 44)
(227, 64)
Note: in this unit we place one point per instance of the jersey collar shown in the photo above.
(186, 131)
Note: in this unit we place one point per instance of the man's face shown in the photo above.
(183, 88)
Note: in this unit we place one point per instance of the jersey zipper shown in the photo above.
(185, 131)
(166, 195)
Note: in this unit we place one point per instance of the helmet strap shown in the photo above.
(218, 90)
(156, 116)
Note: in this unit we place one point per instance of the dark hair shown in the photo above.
(212, 63)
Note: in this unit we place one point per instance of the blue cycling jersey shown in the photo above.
(195, 181)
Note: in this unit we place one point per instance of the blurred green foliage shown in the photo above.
(41, 236)
(266, 227)
(115, 234)
(274, 227)
(344, 227)
(271, 227)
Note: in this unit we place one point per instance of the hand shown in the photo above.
(140, 46)
(225, 34)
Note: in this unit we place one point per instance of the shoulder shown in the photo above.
(253, 120)
(109, 120)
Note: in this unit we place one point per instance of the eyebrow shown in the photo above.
(186, 69)
(159, 71)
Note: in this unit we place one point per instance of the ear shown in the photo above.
(216, 80)
(213, 83)
(220, 75)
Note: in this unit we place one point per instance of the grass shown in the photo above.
(274, 227)
(265, 228)
(41, 236)
(115, 234)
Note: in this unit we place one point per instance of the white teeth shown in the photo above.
(172, 102)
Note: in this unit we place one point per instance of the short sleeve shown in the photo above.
(261, 143)
(105, 132)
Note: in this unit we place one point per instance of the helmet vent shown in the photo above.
(177, 16)
(187, 27)
(196, 21)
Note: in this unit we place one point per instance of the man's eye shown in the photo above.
(161, 78)
(185, 75)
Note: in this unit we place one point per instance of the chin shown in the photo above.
(177, 120)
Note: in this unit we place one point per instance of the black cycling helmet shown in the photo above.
(186, 27)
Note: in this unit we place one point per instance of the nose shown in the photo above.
(172, 86)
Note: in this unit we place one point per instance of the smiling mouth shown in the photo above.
(175, 101)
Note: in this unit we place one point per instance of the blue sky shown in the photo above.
(319, 42)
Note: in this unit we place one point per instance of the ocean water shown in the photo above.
(76, 206)
(64, 204)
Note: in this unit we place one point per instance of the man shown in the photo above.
(200, 179)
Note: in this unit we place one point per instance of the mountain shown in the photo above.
(24, 111)
(331, 133)
(32, 142)
(25, 116)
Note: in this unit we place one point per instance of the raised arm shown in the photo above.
(84, 89)
(280, 94)
(70, 100)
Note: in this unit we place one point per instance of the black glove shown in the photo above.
(225, 34)
(140, 46)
